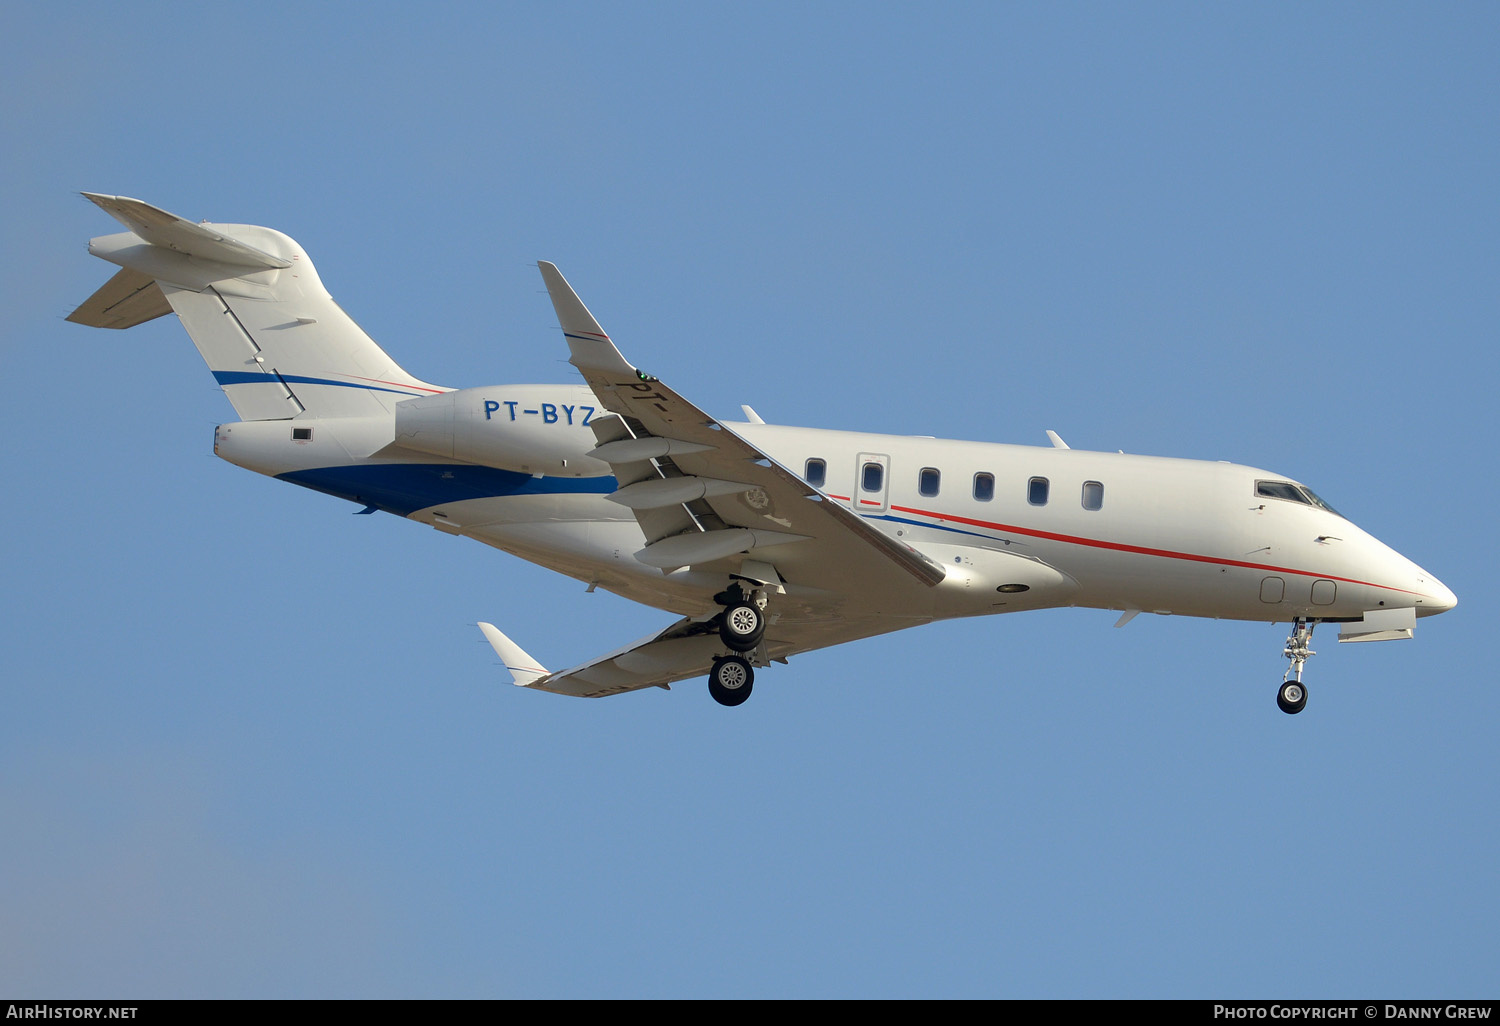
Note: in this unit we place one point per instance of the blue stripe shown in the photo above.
(938, 527)
(261, 378)
(404, 488)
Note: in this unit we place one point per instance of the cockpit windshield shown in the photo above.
(1292, 493)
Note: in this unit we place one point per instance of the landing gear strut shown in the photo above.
(1291, 697)
(742, 624)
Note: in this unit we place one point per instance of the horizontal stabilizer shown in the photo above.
(127, 299)
(169, 231)
(524, 670)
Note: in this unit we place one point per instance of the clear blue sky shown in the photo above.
(253, 746)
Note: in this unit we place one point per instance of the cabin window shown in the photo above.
(1036, 491)
(872, 478)
(817, 473)
(1093, 495)
(984, 487)
(301, 434)
(928, 481)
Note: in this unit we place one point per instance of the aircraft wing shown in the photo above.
(708, 499)
(685, 649)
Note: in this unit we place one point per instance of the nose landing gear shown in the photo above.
(1291, 697)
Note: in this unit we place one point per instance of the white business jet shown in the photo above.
(766, 540)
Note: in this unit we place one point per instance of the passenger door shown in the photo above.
(872, 483)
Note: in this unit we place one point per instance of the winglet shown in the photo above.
(524, 670)
(587, 341)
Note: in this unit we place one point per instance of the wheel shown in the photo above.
(742, 626)
(1291, 697)
(730, 680)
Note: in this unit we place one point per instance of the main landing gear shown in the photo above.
(741, 627)
(1291, 697)
(730, 680)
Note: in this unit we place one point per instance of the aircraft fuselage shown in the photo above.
(1127, 532)
(769, 540)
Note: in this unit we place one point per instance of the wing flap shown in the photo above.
(674, 438)
(674, 491)
(697, 547)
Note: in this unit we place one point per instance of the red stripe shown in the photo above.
(398, 384)
(1139, 550)
(1142, 550)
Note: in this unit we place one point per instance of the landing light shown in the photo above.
(1013, 589)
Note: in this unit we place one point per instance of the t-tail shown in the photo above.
(249, 297)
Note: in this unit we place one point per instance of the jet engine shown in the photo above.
(531, 429)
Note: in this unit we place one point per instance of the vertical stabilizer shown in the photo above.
(254, 306)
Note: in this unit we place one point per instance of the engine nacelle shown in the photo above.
(531, 429)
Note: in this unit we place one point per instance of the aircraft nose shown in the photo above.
(1436, 596)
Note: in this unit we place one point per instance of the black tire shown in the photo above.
(742, 626)
(1291, 697)
(730, 680)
